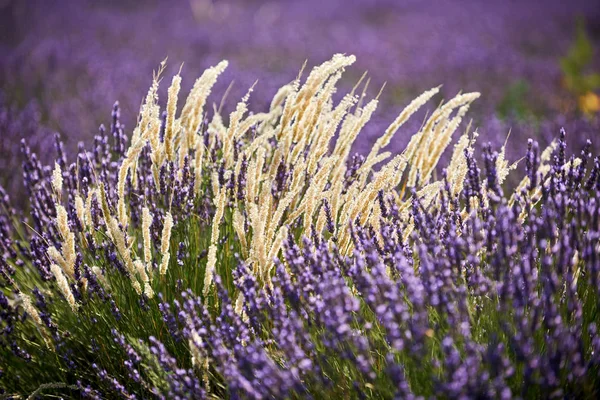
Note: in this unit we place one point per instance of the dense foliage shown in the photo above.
(259, 259)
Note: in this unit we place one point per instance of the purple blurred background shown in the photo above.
(64, 63)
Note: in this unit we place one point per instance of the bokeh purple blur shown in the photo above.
(64, 63)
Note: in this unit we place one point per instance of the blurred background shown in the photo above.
(64, 63)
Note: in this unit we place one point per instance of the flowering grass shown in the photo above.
(259, 259)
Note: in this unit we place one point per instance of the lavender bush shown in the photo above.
(259, 258)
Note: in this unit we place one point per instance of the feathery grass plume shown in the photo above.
(57, 180)
(352, 127)
(214, 181)
(297, 104)
(328, 124)
(417, 151)
(62, 221)
(80, 210)
(365, 169)
(192, 112)
(55, 256)
(165, 243)
(210, 269)
(146, 130)
(275, 219)
(321, 219)
(273, 252)
(335, 200)
(314, 194)
(261, 245)
(404, 116)
(118, 238)
(238, 226)
(386, 176)
(258, 216)
(457, 168)
(199, 159)
(502, 166)
(172, 125)
(141, 270)
(279, 98)
(147, 220)
(542, 170)
(63, 285)
(37, 319)
(428, 193)
(88, 208)
(438, 146)
(68, 256)
(121, 203)
(253, 175)
(102, 194)
(31, 310)
(309, 117)
(233, 130)
(216, 127)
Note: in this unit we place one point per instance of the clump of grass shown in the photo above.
(260, 259)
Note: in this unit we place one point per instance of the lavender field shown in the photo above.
(209, 199)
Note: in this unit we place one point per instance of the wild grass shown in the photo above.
(260, 259)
